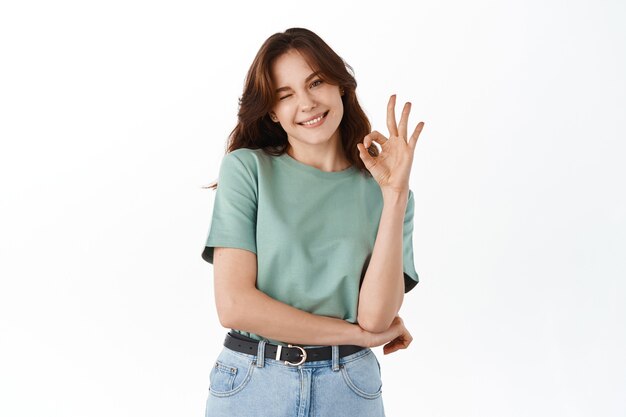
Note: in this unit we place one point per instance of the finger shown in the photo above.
(404, 120)
(368, 160)
(389, 348)
(402, 341)
(376, 137)
(392, 347)
(398, 342)
(391, 116)
(416, 134)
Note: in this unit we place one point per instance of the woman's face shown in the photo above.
(302, 96)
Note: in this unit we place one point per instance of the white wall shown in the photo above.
(113, 114)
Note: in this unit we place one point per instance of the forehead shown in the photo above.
(290, 67)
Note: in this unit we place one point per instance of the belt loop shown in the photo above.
(260, 355)
(335, 349)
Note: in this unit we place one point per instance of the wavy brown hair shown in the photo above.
(256, 130)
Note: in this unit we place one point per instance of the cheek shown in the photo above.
(338, 113)
(284, 114)
(339, 106)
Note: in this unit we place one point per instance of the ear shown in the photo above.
(273, 117)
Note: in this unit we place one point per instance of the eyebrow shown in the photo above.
(278, 90)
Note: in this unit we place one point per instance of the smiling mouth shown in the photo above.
(314, 121)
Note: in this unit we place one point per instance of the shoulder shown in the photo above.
(250, 159)
(248, 165)
(242, 159)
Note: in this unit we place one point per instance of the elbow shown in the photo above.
(373, 325)
(227, 312)
(226, 320)
(376, 320)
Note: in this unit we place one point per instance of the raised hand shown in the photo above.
(392, 167)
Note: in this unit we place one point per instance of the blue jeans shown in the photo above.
(245, 385)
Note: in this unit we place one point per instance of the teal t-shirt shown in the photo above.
(313, 231)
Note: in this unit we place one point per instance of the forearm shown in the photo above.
(382, 290)
(255, 312)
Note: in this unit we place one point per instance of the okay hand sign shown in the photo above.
(392, 167)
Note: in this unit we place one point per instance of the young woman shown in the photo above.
(310, 240)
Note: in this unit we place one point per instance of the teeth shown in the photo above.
(312, 122)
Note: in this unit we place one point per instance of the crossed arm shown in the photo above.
(240, 305)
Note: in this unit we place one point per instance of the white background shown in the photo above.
(114, 114)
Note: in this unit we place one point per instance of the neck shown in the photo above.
(330, 158)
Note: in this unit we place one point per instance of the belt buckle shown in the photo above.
(280, 347)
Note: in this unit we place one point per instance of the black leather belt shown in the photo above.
(291, 355)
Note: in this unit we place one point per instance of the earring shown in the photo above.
(274, 118)
(341, 91)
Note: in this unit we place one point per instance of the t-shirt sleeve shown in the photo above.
(410, 275)
(233, 222)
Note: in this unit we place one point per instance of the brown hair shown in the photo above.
(255, 129)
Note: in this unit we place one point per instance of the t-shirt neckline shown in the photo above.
(289, 160)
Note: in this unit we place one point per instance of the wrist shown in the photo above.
(395, 195)
(362, 336)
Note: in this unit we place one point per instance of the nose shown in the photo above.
(307, 103)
